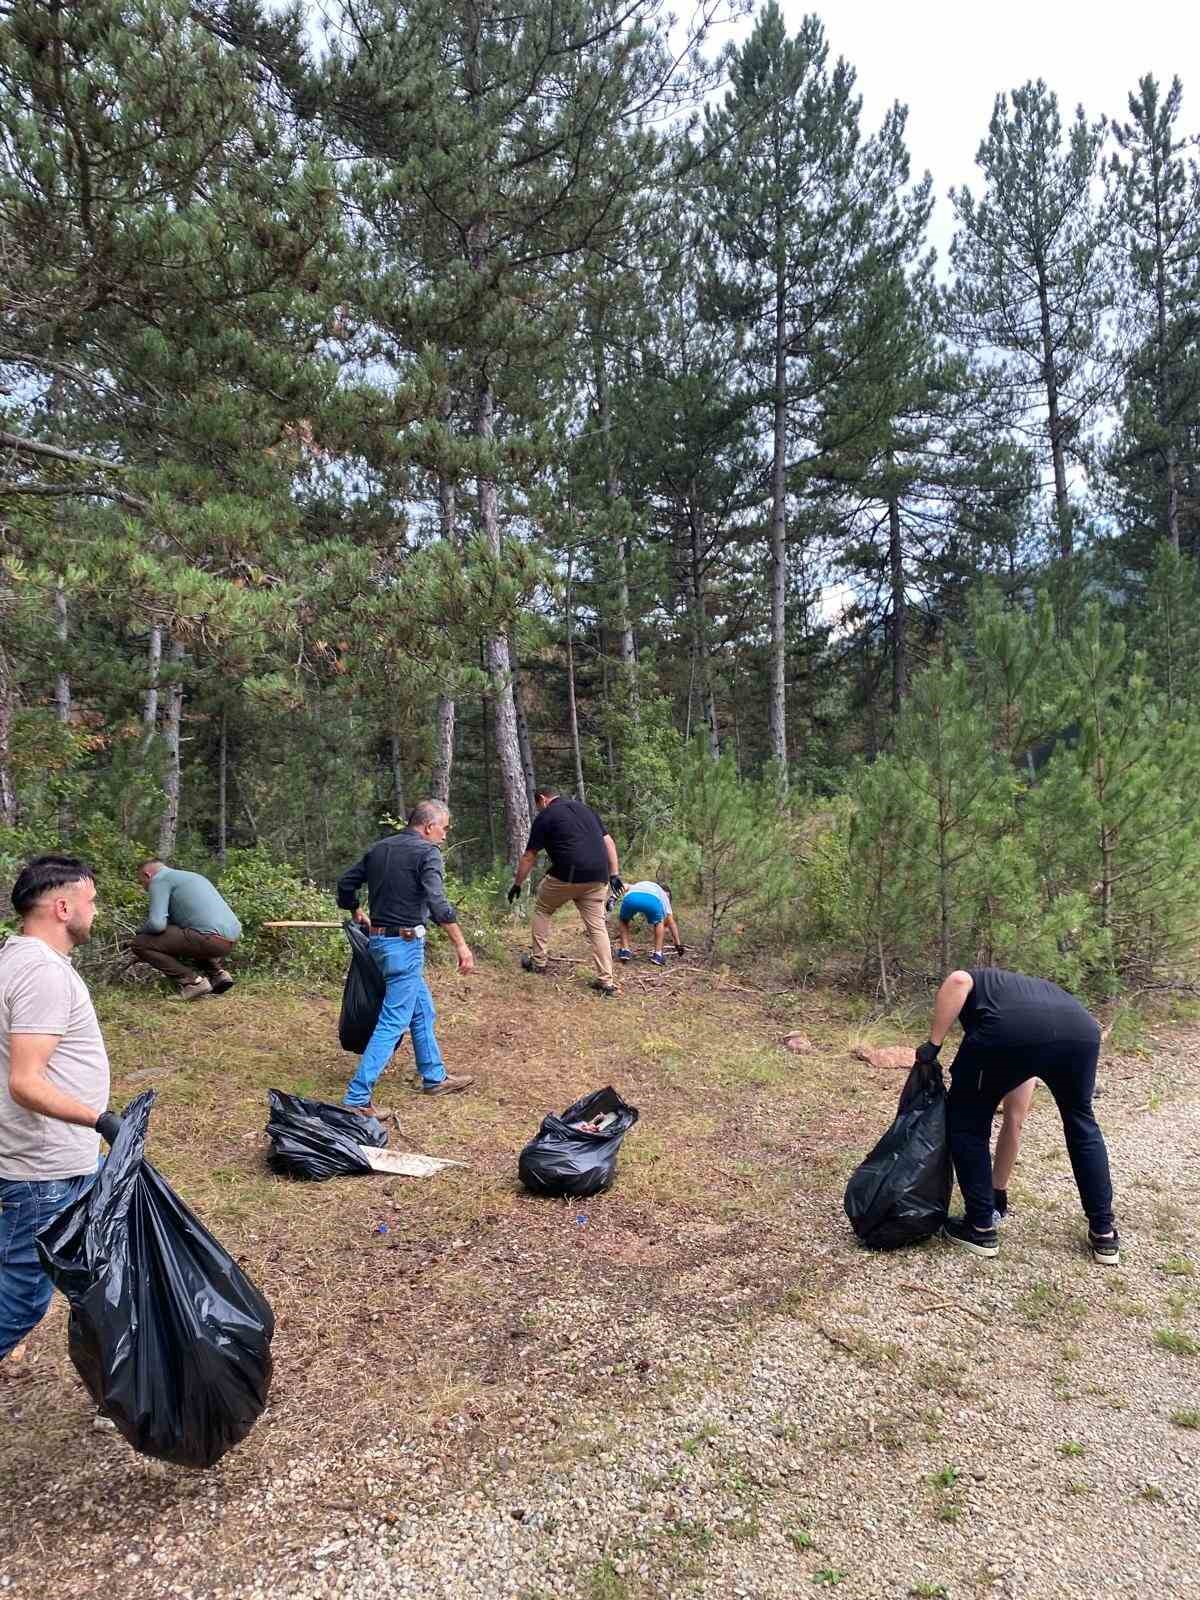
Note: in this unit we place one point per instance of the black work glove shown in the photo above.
(513, 891)
(927, 1053)
(108, 1126)
(615, 884)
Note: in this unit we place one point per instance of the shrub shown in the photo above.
(261, 889)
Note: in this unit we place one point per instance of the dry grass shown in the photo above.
(441, 1315)
(478, 1297)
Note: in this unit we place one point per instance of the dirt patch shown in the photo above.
(405, 1357)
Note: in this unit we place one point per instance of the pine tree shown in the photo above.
(499, 151)
(1158, 185)
(1033, 276)
(803, 213)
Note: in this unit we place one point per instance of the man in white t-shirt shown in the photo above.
(652, 901)
(54, 1080)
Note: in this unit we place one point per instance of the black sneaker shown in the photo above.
(527, 964)
(607, 990)
(979, 1241)
(1106, 1252)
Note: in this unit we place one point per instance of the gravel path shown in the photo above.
(917, 1424)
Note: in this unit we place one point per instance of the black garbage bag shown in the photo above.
(311, 1139)
(901, 1192)
(565, 1160)
(170, 1337)
(362, 994)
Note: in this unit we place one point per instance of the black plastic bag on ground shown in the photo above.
(312, 1139)
(901, 1192)
(362, 994)
(564, 1160)
(170, 1337)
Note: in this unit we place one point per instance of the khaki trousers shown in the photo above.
(589, 901)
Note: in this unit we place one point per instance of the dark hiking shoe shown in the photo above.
(624, 955)
(979, 1241)
(448, 1085)
(1106, 1252)
(607, 990)
(527, 964)
(221, 982)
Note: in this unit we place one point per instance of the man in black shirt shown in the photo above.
(583, 868)
(406, 890)
(1015, 1028)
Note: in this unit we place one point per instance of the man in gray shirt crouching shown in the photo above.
(188, 917)
(54, 1080)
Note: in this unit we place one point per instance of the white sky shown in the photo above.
(948, 59)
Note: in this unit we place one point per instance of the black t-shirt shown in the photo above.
(1007, 1008)
(572, 835)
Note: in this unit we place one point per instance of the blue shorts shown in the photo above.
(644, 905)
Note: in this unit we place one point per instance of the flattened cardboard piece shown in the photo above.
(399, 1164)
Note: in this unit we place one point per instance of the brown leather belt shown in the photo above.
(381, 932)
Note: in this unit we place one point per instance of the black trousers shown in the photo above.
(980, 1078)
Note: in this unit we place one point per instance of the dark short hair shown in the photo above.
(427, 811)
(47, 872)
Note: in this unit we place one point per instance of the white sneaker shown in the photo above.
(195, 990)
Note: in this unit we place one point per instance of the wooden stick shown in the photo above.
(300, 924)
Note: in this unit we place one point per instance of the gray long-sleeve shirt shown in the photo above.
(188, 900)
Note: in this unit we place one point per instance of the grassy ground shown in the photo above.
(429, 1309)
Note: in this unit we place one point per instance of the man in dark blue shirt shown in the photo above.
(583, 868)
(1016, 1028)
(404, 875)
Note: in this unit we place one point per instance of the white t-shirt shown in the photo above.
(40, 992)
(660, 894)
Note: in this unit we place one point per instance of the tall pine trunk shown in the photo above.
(504, 711)
(169, 826)
(1055, 425)
(399, 808)
(62, 682)
(777, 691)
(62, 691)
(702, 673)
(612, 493)
(524, 741)
(8, 798)
(1162, 376)
(898, 620)
(443, 750)
(443, 754)
(572, 707)
(150, 703)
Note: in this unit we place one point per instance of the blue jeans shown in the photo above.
(979, 1080)
(407, 1003)
(25, 1290)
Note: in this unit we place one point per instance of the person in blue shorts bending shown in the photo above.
(652, 901)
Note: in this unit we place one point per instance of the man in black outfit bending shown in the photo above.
(1016, 1028)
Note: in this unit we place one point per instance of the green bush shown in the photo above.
(482, 914)
(734, 854)
(261, 889)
